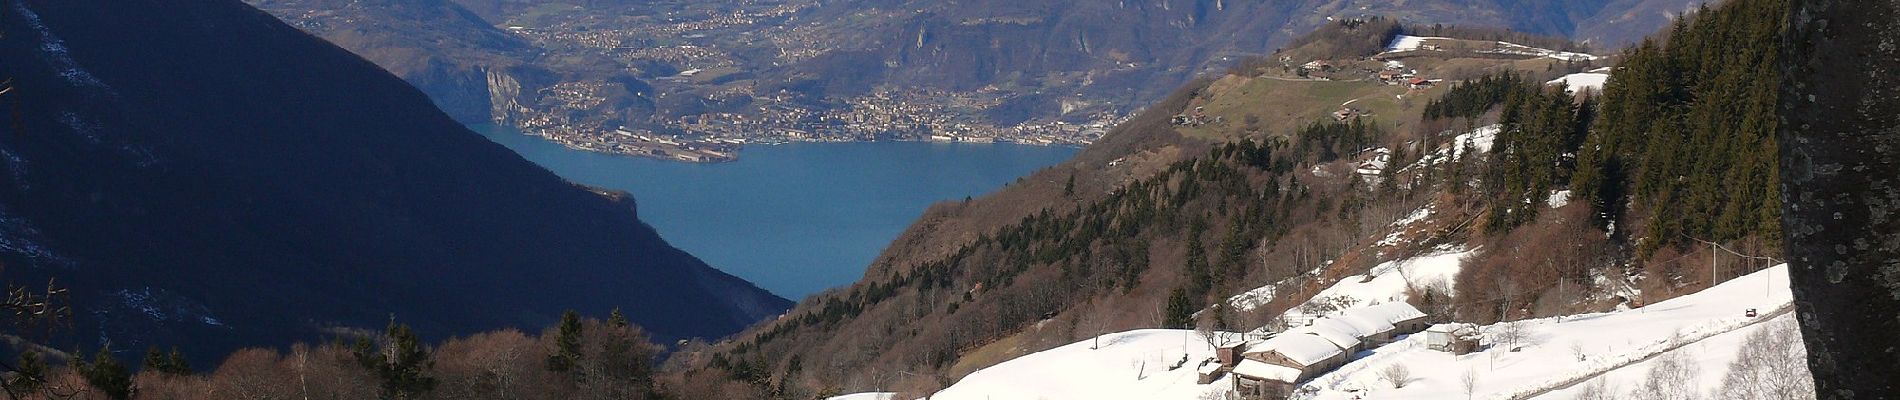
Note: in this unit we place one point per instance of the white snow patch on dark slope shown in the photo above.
(53, 51)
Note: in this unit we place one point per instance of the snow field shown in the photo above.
(1560, 351)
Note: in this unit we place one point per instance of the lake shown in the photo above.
(794, 218)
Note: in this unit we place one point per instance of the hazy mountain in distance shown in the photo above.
(1051, 59)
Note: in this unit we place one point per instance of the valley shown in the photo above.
(1153, 199)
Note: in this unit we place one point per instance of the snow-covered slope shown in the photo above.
(1553, 359)
(1404, 43)
(1128, 365)
(1410, 43)
(1584, 81)
(1557, 352)
(1385, 283)
(1710, 362)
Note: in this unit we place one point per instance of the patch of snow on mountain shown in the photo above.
(1480, 140)
(81, 126)
(1409, 43)
(1417, 215)
(1518, 49)
(20, 238)
(54, 51)
(143, 302)
(16, 166)
(1558, 198)
(1385, 283)
(1265, 294)
(1580, 82)
(1398, 232)
(162, 305)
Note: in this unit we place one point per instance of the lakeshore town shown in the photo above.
(580, 114)
(934, 116)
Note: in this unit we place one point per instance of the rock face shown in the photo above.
(1840, 158)
(439, 47)
(203, 175)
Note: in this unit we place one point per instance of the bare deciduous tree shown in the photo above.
(1510, 333)
(1671, 377)
(1597, 389)
(1771, 364)
(1396, 374)
(1469, 383)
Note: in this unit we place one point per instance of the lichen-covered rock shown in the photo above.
(1840, 139)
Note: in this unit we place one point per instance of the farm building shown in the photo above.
(1275, 365)
(1272, 368)
(1453, 338)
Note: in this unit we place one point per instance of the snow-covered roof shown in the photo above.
(1303, 349)
(1267, 371)
(1330, 330)
(1208, 368)
(1389, 313)
(1368, 325)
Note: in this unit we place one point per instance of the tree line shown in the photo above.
(581, 358)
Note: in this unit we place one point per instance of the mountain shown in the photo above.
(201, 174)
(805, 66)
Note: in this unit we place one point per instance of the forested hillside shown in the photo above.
(1686, 136)
(1151, 227)
(1299, 207)
(1677, 156)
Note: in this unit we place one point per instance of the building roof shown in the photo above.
(1390, 313)
(1302, 349)
(1265, 371)
(1330, 332)
(1456, 329)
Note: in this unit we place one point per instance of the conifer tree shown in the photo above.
(401, 365)
(29, 374)
(567, 343)
(106, 374)
(1179, 312)
(617, 320)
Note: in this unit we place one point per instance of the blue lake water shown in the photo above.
(794, 218)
